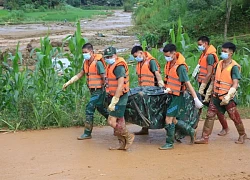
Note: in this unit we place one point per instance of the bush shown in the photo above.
(16, 15)
(42, 9)
(28, 8)
(128, 6)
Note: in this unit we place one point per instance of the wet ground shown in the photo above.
(56, 154)
(102, 31)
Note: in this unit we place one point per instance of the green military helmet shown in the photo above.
(110, 51)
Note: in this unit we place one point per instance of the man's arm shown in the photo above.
(154, 69)
(103, 78)
(198, 103)
(209, 74)
(183, 76)
(74, 79)
(191, 89)
(119, 89)
(80, 74)
(235, 83)
(210, 66)
(101, 71)
(159, 79)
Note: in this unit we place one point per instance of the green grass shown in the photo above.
(3, 13)
(71, 14)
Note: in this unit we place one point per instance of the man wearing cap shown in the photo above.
(94, 68)
(117, 87)
(148, 71)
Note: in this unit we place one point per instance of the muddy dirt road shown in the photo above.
(56, 154)
(102, 31)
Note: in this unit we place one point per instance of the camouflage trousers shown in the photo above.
(95, 102)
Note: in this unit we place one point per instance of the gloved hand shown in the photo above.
(161, 83)
(202, 88)
(196, 71)
(114, 101)
(71, 81)
(198, 103)
(231, 93)
(209, 92)
(166, 91)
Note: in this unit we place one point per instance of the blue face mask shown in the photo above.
(139, 59)
(86, 56)
(224, 55)
(168, 58)
(201, 48)
(110, 61)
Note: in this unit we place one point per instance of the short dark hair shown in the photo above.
(230, 46)
(136, 49)
(204, 39)
(88, 46)
(169, 48)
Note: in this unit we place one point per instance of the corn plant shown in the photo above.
(75, 57)
(78, 91)
(3, 82)
(45, 77)
(13, 80)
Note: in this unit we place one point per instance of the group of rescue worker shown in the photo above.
(218, 83)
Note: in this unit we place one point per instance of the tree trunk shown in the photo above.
(228, 11)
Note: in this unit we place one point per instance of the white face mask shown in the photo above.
(139, 59)
(86, 56)
(168, 58)
(201, 48)
(110, 61)
(224, 55)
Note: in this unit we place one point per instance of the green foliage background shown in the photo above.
(199, 17)
(48, 4)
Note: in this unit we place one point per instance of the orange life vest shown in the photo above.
(112, 82)
(94, 80)
(223, 79)
(145, 76)
(171, 77)
(203, 63)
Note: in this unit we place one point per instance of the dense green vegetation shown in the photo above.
(51, 4)
(33, 11)
(67, 13)
(199, 17)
